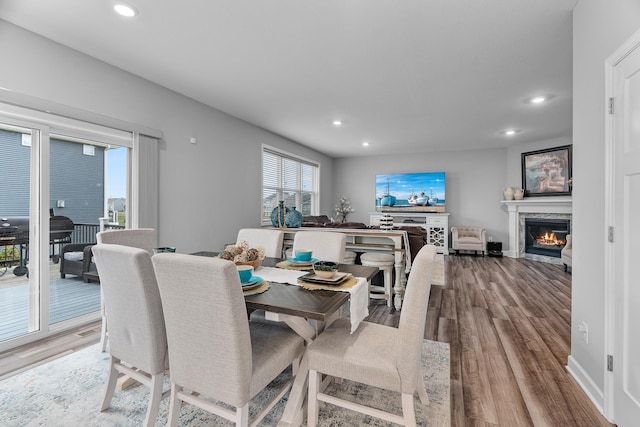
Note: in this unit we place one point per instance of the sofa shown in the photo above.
(566, 253)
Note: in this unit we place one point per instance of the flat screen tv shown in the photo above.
(423, 192)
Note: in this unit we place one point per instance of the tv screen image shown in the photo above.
(423, 191)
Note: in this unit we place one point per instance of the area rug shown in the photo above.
(438, 276)
(68, 392)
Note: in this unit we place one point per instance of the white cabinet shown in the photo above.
(436, 224)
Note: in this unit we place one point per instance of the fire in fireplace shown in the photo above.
(546, 236)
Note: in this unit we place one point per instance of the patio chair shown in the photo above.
(76, 259)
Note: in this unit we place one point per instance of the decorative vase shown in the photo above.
(386, 222)
(278, 215)
(508, 193)
(518, 194)
(293, 218)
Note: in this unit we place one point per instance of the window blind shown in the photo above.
(289, 178)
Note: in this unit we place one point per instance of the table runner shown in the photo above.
(359, 293)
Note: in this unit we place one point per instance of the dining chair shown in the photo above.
(377, 355)
(137, 336)
(270, 240)
(326, 245)
(143, 238)
(212, 349)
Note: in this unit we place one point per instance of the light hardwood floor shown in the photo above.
(508, 325)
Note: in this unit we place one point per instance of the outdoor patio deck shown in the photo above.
(69, 298)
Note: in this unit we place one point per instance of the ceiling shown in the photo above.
(407, 76)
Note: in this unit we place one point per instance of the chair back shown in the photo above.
(132, 302)
(207, 326)
(326, 245)
(143, 238)
(413, 318)
(270, 240)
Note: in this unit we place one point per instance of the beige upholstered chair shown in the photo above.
(468, 238)
(326, 245)
(377, 355)
(136, 324)
(567, 252)
(270, 240)
(212, 349)
(142, 238)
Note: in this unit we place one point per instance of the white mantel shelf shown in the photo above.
(545, 205)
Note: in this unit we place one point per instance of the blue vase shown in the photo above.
(278, 215)
(293, 218)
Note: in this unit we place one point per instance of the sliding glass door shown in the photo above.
(20, 293)
(56, 184)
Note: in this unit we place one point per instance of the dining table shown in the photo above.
(307, 312)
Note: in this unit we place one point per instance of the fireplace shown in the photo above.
(545, 236)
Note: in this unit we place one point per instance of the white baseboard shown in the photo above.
(586, 383)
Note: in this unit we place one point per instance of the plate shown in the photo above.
(252, 283)
(338, 279)
(296, 262)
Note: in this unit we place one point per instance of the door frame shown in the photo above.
(611, 62)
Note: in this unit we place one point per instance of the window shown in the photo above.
(289, 178)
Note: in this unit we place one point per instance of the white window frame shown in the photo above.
(280, 189)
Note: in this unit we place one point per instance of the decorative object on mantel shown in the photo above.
(547, 172)
(508, 193)
(242, 254)
(278, 215)
(293, 218)
(343, 209)
(518, 194)
(386, 222)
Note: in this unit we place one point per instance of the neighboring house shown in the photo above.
(77, 178)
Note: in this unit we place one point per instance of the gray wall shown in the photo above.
(475, 181)
(599, 28)
(208, 190)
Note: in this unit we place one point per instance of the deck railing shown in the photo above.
(86, 233)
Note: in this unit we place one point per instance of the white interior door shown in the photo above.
(626, 245)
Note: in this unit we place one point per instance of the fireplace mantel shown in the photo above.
(531, 205)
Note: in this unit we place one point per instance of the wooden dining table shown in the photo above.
(295, 306)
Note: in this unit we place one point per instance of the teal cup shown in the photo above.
(245, 272)
(303, 255)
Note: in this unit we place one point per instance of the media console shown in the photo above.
(436, 224)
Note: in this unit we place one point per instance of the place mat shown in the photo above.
(328, 287)
(288, 266)
(257, 290)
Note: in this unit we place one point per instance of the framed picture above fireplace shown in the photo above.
(547, 172)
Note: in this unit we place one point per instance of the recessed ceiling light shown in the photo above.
(510, 132)
(125, 10)
(337, 122)
(539, 99)
(365, 144)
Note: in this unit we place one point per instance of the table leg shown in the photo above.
(293, 412)
(398, 286)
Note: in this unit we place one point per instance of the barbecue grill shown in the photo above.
(15, 231)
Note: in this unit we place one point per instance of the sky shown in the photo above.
(117, 173)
